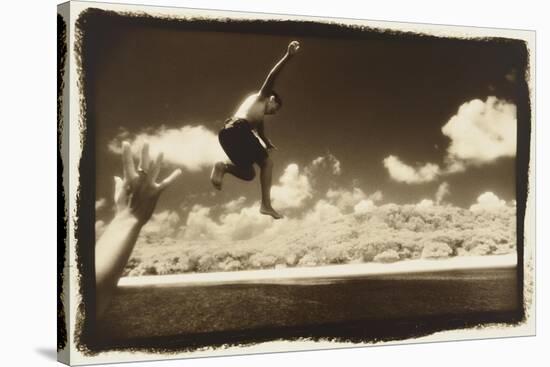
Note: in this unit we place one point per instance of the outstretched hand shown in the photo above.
(293, 47)
(138, 191)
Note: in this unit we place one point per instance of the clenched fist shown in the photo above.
(293, 47)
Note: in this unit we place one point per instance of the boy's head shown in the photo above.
(274, 103)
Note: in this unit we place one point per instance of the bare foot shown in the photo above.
(216, 175)
(270, 211)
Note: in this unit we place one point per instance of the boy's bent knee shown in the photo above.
(249, 175)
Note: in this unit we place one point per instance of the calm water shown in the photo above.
(373, 306)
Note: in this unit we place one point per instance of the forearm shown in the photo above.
(260, 129)
(112, 252)
(266, 140)
(279, 66)
(273, 74)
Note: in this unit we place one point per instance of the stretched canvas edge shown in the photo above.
(74, 136)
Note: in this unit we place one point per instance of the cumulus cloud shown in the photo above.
(238, 220)
(481, 132)
(442, 191)
(234, 205)
(425, 204)
(488, 201)
(246, 223)
(242, 224)
(340, 201)
(164, 223)
(200, 225)
(322, 211)
(402, 172)
(345, 199)
(292, 190)
(328, 161)
(376, 196)
(364, 206)
(453, 166)
(191, 147)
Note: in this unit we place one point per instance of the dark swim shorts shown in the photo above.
(240, 144)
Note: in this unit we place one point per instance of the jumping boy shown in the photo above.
(238, 137)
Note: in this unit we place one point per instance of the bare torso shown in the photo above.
(252, 109)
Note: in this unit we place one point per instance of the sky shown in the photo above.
(372, 120)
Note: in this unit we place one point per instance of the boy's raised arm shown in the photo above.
(267, 87)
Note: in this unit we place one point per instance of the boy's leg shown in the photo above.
(220, 168)
(266, 170)
(216, 176)
(245, 173)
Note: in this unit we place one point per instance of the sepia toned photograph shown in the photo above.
(249, 179)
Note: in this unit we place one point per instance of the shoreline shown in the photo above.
(327, 271)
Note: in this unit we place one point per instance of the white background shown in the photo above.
(28, 166)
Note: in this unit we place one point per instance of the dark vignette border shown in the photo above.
(61, 212)
(91, 20)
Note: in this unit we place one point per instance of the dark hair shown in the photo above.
(277, 99)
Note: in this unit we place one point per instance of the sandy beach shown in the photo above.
(348, 270)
